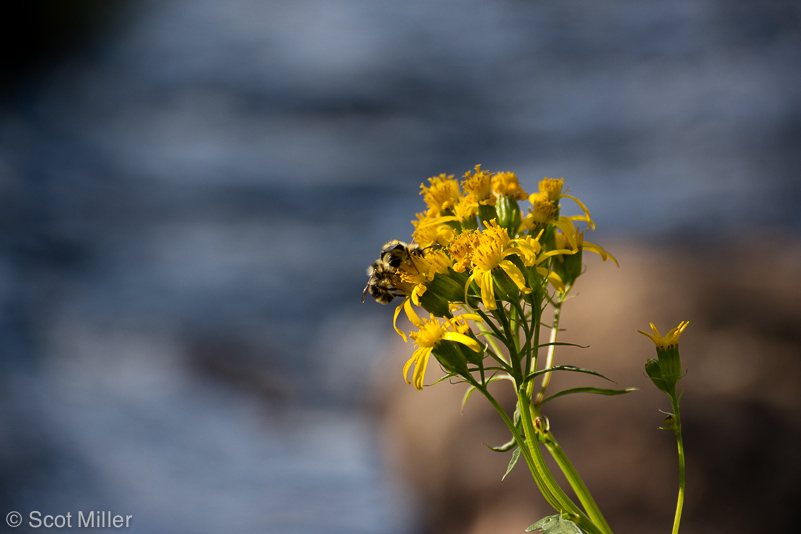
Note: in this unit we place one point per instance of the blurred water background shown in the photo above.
(190, 192)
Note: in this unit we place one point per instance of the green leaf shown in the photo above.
(512, 462)
(502, 448)
(571, 368)
(467, 394)
(597, 391)
(555, 524)
(562, 344)
(446, 377)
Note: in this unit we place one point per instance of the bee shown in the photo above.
(382, 273)
(396, 252)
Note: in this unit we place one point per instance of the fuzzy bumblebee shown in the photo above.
(382, 275)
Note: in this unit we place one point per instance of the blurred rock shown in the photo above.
(741, 406)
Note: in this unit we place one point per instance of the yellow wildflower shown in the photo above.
(431, 231)
(671, 338)
(541, 213)
(571, 239)
(461, 250)
(466, 208)
(431, 332)
(532, 256)
(441, 195)
(551, 188)
(479, 186)
(665, 370)
(494, 245)
(506, 184)
(417, 271)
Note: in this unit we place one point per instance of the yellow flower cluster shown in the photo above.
(477, 251)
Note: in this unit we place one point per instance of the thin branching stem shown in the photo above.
(677, 427)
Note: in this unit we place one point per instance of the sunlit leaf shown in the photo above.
(596, 391)
(555, 524)
(502, 448)
(512, 462)
(571, 368)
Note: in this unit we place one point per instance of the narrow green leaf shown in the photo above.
(502, 448)
(555, 524)
(571, 368)
(512, 462)
(558, 343)
(467, 394)
(597, 391)
(447, 376)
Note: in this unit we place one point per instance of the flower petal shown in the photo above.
(408, 364)
(590, 224)
(420, 366)
(407, 307)
(598, 250)
(395, 321)
(556, 281)
(467, 341)
(487, 290)
(515, 274)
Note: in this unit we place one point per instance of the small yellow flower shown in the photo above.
(466, 208)
(551, 188)
(665, 370)
(571, 239)
(461, 250)
(431, 231)
(542, 212)
(438, 261)
(442, 193)
(506, 184)
(431, 332)
(532, 256)
(417, 271)
(479, 186)
(670, 339)
(494, 245)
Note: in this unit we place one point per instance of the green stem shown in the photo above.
(546, 379)
(576, 482)
(533, 351)
(677, 422)
(523, 448)
(546, 479)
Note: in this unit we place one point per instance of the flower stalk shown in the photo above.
(665, 371)
(680, 441)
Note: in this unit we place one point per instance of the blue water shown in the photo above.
(189, 198)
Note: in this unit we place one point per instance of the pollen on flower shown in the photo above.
(442, 194)
(479, 185)
(429, 232)
(461, 250)
(493, 247)
(551, 188)
(542, 210)
(439, 262)
(431, 332)
(506, 183)
(493, 243)
(467, 207)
